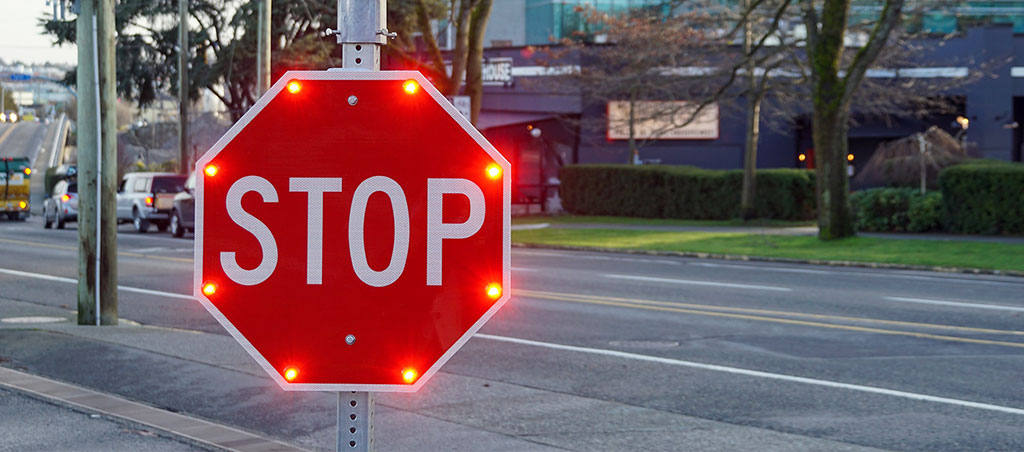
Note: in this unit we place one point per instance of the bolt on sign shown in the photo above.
(352, 231)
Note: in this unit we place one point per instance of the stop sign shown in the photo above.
(352, 231)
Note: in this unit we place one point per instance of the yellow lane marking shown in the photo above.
(120, 253)
(783, 321)
(530, 293)
(8, 132)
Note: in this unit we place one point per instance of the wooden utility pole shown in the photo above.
(263, 46)
(184, 156)
(97, 164)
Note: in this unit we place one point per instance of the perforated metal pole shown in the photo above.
(362, 30)
(355, 421)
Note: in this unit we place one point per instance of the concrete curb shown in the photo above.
(190, 429)
(786, 260)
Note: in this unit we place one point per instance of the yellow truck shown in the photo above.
(15, 176)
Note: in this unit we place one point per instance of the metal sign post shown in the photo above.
(362, 30)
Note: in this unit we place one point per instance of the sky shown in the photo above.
(20, 38)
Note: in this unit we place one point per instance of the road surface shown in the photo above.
(822, 357)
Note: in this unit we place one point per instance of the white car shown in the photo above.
(62, 206)
(148, 198)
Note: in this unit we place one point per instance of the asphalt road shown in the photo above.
(22, 139)
(879, 358)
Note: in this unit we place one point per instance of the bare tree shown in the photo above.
(424, 19)
(638, 64)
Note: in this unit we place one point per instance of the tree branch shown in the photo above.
(890, 18)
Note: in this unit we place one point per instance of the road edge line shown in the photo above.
(204, 432)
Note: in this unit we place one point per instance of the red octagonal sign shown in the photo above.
(352, 231)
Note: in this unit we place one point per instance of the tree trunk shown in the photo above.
(830, 121)
(835, 219)
(747, 209)
(634, 151)
(747, 193)
(462, 44)
(475, 56)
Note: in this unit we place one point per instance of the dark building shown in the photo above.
(520, 99)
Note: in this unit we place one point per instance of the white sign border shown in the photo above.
(506, 292)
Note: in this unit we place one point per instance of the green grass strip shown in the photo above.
(585, 219)
(932, 253)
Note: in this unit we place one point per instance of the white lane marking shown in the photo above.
(639, 357)
(958, 304)
(856, 271)
(698, 283)
(763, 268)
(38, 276)
(756, 373)
(75, 281)
(523, 269)
(526, 227)
(600, 258)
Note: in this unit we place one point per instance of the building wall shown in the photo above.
(993, 102)
(507, 23)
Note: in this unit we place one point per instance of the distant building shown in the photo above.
(517, 100)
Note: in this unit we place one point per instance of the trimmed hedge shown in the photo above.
(897, 210)
(984, 197)
(683, 192)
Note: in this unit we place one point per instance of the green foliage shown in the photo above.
(897, 210)
(169, 166)
(7, 103)
(984, 197)
(651, 191)
(925, 212)
(222, 41)
(882, 209)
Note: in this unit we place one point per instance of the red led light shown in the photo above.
(409, 375)
(410, 87)
(290, 373)
(494, 290)
(493, 171)
(294, 87)
(211, 170)
(149, 201)
(209, 289)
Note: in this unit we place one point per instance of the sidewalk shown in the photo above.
(202, 377)
(32, 424)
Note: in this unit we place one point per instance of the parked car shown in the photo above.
(62, 206)
(183, 215)
(148, 198)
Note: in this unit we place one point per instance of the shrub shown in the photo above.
(882, 209)
(984, 197)
(655, 191)
(925, 212)
(897, 210)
